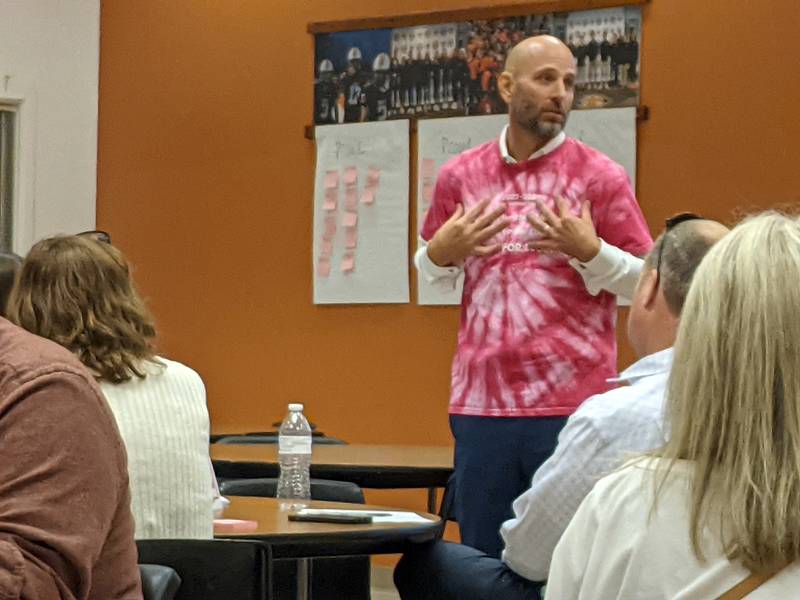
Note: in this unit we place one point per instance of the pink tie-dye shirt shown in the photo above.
(532, 341)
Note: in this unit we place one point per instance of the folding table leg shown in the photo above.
(303, 579)
(432, 500)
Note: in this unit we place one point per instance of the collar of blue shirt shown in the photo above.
(652, 364)
(546, 149)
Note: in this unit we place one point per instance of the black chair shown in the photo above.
(214, 437)
(159, 582)
(273, 439)
(267, 487)
(331, 578)
(213, 569)
(311, 424)
(446, 510)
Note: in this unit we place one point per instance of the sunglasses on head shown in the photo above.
(97, 234)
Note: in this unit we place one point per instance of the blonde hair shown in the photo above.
(733, 406)
(77, 292)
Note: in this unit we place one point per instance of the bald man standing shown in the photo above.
(537, 334)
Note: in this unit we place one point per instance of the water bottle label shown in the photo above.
(294, 444)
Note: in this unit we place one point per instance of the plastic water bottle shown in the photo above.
(294, 453)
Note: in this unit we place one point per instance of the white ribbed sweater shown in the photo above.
(163, 420)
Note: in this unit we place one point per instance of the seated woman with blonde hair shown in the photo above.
(78, 292)
(715, 513)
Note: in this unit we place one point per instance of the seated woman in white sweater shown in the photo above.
(719, 504)
(78, 292)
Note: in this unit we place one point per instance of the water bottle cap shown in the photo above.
(296, 407)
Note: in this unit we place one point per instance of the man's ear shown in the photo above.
(505, 85)
(649, 287)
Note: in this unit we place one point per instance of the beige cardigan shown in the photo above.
(163, 420)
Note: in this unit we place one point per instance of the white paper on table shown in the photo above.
(378, 516)
(375, 270)
(612, 131)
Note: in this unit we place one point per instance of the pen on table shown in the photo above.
(367, 513)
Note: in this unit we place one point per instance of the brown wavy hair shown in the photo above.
(78, 292)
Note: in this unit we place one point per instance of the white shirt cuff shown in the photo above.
(613, 270)
(432, 272)
(603, 264)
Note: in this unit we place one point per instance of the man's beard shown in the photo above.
(544, 129)
(547, 129)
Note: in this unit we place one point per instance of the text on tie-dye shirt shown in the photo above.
(532, 340)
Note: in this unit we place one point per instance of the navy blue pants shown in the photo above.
(445, 571)
(495, 459)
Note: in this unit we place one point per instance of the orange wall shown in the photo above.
(205, 180)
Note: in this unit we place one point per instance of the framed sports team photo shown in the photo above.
(451, 69)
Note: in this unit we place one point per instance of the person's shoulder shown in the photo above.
(624, 415)
(626, 483)
(25, 357)
(65, 391)
(612, 405)
(177, 369)
(180, 372)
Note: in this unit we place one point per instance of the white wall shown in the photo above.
(49, 57)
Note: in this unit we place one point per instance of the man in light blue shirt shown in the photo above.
(597, 438)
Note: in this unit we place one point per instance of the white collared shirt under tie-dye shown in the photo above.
(532, 340)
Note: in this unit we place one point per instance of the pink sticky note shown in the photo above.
(350, 175)
(326, 249)
(331, 199)
(428, 170)
(427, 193)
(323, 267)
(234, 526)
(331, 179)
(330, 227)
(373, 176)
(351, 238)
(348, 262)
(350, 219)
(368, 197)
(351, 198)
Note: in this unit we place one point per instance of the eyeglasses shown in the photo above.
(670, 224)
(97, 234)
